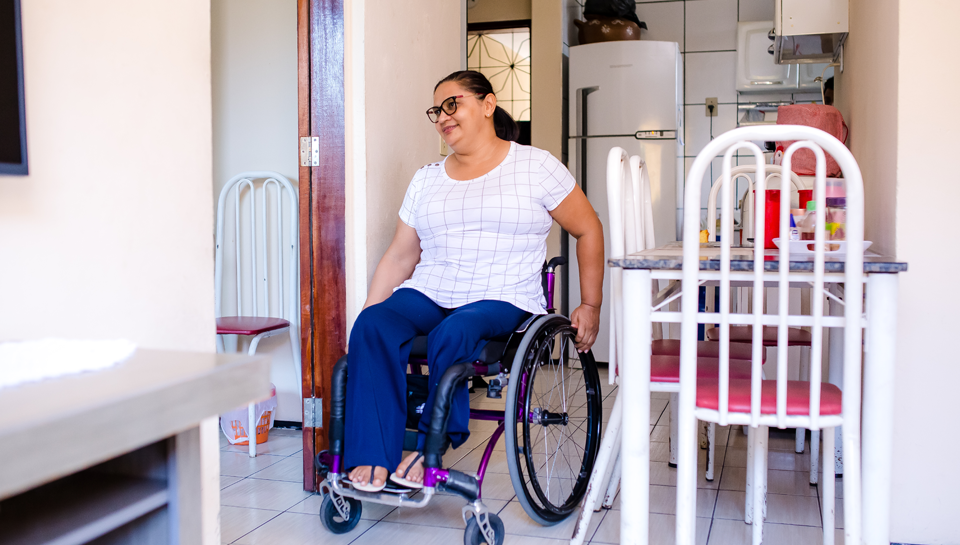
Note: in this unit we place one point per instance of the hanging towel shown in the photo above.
(818, 116)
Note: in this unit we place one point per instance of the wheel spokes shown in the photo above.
(556, 458)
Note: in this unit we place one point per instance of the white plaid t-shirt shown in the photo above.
(486, 238)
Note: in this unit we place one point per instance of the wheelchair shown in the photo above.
(551, 425)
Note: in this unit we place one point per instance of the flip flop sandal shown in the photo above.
(396, 488)
(402, 479)
(369, 487)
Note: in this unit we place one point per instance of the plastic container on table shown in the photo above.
(771, 217)
(836, 218)
(798, 214)
(794, 231)
(808, 224)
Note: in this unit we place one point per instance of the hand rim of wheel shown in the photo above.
(544, 327)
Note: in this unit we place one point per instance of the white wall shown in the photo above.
(395, 55)
(254, 70)
(889, 87)
(925, 478)
(254, 50)
(110, 236)
(548, 87)
(866, 93)
(547, 82)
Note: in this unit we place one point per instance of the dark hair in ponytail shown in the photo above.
(478, 84)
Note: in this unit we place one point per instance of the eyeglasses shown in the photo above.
(448, 106)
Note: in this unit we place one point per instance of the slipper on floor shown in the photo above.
(402, 479)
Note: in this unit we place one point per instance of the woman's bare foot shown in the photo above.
(361, 475)
(416, 471)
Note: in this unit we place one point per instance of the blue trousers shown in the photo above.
(377, 368)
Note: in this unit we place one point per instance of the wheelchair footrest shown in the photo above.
(463, 485)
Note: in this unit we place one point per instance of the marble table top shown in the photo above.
(670, 257)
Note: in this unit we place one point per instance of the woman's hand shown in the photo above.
(586, 320)
(576, 215)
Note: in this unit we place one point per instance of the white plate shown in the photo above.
(805, 247)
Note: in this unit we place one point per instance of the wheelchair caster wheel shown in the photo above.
(473, 536)
(331, 518)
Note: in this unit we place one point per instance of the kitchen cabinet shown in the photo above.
(756, 71)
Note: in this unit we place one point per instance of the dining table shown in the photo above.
(643, 306)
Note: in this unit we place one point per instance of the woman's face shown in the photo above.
(472, 117)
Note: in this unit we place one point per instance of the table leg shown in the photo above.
(835, 372)
(635, 382)
(194, 473)
(878, 377)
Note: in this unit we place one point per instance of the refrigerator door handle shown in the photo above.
(581, 128)
(582, 108)
(680, 125)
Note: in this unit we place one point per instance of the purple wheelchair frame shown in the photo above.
(434, 474)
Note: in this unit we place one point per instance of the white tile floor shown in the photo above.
(263, 502)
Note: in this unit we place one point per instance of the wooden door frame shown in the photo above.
(323, 324)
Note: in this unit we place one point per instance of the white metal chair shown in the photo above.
(782, 403)
(631, 229)
(747, 213)
(797, 336)
(630, 221)
(264, 260)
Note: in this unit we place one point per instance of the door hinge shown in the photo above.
(309, 151)
(313, 412)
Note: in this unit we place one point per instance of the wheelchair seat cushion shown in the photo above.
(491, 353)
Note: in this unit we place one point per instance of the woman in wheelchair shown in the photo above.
(464, 267)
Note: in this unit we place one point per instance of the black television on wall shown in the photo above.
(13, 123)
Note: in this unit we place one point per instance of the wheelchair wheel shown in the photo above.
(554, 393)
(473, 536)
(333, 521)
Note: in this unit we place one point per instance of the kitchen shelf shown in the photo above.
(79, 508)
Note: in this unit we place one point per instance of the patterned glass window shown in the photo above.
(504, 57)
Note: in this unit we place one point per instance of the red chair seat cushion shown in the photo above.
(798, 396)
(667, 368)
(744, 334)
(708, 349)
(248, 325)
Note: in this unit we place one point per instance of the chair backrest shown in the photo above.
(257, 256)
(727, 145)
(630, 221)
(746, 215)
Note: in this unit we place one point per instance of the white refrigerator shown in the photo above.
(627, 94)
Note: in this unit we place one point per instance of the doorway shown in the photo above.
(266, 82)
(501, 51)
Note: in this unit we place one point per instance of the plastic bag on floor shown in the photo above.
(234, 423)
